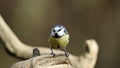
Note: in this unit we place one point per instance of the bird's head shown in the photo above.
(58, 31)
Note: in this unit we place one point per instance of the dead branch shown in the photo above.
(45, 61)
(15, 46)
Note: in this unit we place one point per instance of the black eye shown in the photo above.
(59, 30)
(53, 30)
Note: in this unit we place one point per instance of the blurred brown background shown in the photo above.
(31, 20)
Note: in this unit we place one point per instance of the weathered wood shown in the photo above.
(45, 61)
(15, 46)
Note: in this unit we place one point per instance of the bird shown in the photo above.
(58, 39)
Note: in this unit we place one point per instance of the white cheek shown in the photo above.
(61, 33)
(52, 33)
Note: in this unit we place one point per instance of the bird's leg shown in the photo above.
(52, 53)
(66, 53)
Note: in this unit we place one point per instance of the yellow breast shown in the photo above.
(59, 42)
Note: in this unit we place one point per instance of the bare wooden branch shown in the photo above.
(15, 46)
(45, 61)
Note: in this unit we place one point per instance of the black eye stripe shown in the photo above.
(59, 30)
(53, 30)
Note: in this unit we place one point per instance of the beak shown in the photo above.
(56, 35)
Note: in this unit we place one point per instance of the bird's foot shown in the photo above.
(66, 54)
(53, 54)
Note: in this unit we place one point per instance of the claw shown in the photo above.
(66, 54)
(53, 54)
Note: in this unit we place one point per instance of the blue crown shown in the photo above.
(61, 26)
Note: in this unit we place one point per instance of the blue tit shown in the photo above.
(58, 39)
